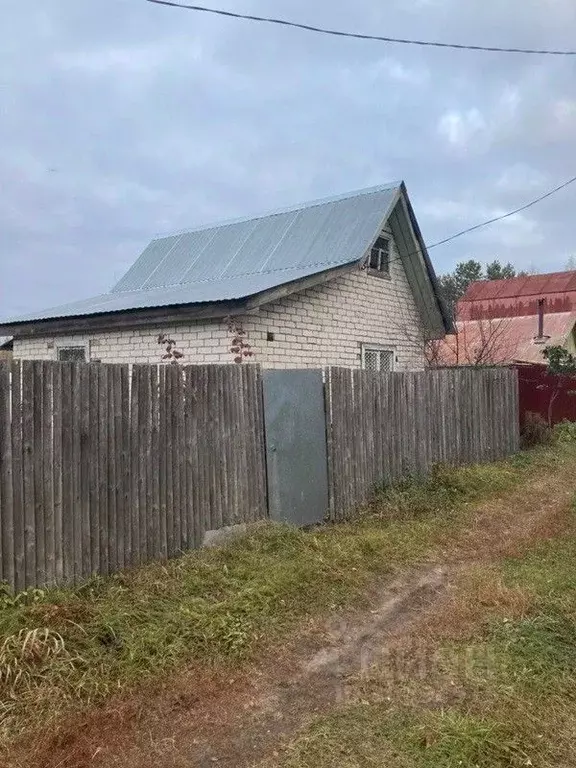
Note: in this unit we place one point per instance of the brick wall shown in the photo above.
(323, 325)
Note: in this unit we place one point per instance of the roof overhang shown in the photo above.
(119, 310)
(126, 319)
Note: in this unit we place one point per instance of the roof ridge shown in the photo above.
(279, 211)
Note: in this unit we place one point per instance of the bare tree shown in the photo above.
(476, 342)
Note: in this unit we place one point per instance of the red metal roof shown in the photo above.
(519, 296)
(531, 285)
(503, 340)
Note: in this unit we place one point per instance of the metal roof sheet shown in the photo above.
(327, 232)
(237, 259)
(511, 339)
(191, 293)
(529, 285)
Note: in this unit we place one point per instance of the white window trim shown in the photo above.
(384, 273)
(378, 348)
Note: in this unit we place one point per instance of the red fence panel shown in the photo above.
(554, 397)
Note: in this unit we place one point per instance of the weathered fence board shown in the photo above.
(107, 466)
(102, 467)
(401, 424)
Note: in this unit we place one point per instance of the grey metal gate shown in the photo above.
(295, 422)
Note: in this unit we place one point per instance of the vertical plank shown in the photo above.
(188, 506)
(104, 474)
(69, 471)
(347, 458)
(327, 376)
(258, 437)
(181, 458)
(375, 417)
(236, 453)
(383, 416)
(227, 474)
(203, 519)
(28, 470)
(516, 409)
(135, 468)
(210, 441)
(215, 440)
(38, 470)
(125, 532)
(47, 372)
(144, 453)
(372, 469)
(162, 432)
(175, 451)
(89, 470)
(398, 409)
(169, 442)
(338, 421)
(253, 485)
(6, 491)
(156, 551)
(57, 473)
(192, 437)
(114, 469)
(18, 479)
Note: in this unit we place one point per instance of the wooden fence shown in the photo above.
(103, 467)
(384, 427)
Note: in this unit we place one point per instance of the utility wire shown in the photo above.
(359, 36)
(490, 221)
(505, 215)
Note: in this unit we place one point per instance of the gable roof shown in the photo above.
(239, 259)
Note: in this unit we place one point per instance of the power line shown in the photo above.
(491, 221)
(360, 36)
(505, 215)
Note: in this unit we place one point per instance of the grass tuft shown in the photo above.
(66, 648)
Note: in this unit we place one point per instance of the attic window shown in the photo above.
(380, 256)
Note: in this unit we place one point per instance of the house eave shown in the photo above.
(174, 314)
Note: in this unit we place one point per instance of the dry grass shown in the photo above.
(477, 597)
(498, 688)
(64, 650)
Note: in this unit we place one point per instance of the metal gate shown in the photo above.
(294, 417)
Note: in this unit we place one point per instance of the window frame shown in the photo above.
(379, 348)
(376, 248)
(82, 346)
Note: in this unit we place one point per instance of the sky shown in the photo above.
(120, 120)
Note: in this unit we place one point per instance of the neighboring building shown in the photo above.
(345, 281)
(511, 321)
(5, 348)
(519, 296)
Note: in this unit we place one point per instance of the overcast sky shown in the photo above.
(120, 119)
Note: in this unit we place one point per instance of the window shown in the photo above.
(72, 354)
(378, 359)
(380, 256)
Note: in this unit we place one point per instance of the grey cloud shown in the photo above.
(122, 119)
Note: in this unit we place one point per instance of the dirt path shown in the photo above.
(205, 719)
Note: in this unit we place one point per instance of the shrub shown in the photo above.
(535, 430)
(566, 431)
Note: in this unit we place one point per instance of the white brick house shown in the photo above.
(345, 281)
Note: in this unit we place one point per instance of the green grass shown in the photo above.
(66, 648)
(515, 703)
(367, 736)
